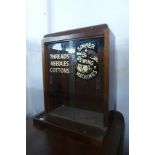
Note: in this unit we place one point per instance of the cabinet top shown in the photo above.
(96, 30)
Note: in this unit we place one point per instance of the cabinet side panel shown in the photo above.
(112, 72)
(45, 84)
(106, 78)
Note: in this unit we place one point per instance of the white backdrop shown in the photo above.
(47, 16)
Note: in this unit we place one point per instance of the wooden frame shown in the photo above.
(107, 56)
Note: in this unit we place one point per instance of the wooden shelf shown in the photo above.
(86, 117)
(85, 124)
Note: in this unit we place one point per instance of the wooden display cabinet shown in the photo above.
(79, 82)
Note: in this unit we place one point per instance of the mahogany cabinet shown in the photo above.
(79, 82)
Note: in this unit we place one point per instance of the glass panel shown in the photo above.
(75, 75)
